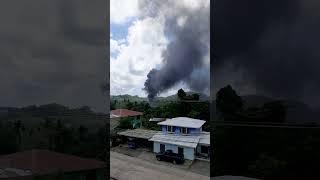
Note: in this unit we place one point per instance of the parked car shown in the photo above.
(170, 156)
(132, 145)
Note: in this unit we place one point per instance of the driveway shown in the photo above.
(123, 167)
(199, 167)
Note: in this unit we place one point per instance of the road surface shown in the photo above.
(123, 167)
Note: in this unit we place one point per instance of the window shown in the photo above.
(185, 130)
(170, 129)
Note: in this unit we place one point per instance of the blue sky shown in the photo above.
(120, 31)
(136, 45)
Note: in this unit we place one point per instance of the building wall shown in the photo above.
(194, 130)
(178, 130)
(164, 129)
(156, 147)
(188, 152)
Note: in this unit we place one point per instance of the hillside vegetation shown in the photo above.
(55, 127)
(263, 152)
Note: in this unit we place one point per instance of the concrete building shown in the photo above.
(183, 135)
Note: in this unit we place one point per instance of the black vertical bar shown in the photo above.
(212, 93)
(107, 21)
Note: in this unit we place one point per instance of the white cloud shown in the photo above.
(135, 58)
(122, 10)
(182, 20)
(193, 4)
(116, 45)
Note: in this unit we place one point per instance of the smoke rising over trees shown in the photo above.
(186, 57)
(268, 47)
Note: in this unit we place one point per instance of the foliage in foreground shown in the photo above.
(50, 127)
(262, 152)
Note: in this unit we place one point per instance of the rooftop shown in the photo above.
(124, 113)
(139, 133)
(41, 162)
(157, 119)
(187, 141)
(183, 122)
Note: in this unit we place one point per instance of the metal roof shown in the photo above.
(157, 119)
(124, 113)
(183, 122)
(183, 140)
(138, 133)
(187, 141)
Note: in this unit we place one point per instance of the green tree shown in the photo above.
(181, 94)
(112, 106)
(129, 105)
(47, 122)
(228, 103)
(276, 111)
(82, 132)
(125, 123)
(195, 97)
(7, 143)
(59, 124)
(194, 114)
(17, 128)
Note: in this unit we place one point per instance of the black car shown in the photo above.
(170, 156)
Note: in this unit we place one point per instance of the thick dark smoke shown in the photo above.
(184, 58)
(268, 47)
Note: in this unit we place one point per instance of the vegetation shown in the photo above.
(261, 152)
(166, 109)
(125, 123)
(55, 127)
(184, 97)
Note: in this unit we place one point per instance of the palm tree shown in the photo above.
(17, 128)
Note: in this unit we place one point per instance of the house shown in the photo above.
(183, 135)
(156, 119)
(116, 115)
(45, 164)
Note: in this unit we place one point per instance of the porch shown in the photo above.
(202, 152)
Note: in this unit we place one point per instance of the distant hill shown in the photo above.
(34, 115)
(128, 97)
(157, 100)
(297, 112)
(202, 97)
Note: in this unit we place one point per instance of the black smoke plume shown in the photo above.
(184, 58)
(269, 47)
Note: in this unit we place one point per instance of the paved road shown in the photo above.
(123, 167)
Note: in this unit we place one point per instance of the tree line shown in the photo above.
(261, 152)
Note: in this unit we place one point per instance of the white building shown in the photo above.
(184, 136)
